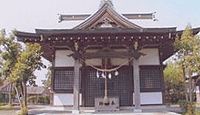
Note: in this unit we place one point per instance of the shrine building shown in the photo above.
(106, 61)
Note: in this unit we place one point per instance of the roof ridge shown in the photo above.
(106, 2)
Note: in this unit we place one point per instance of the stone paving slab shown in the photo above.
(169, 113)
(57, 112)
(49, 110)
(7, 112)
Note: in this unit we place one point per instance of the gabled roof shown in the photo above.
(35, 90)
(107, 14)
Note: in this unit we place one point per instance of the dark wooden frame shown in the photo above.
(62, 90)
(152, 89)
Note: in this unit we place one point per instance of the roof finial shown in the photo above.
(109, 2)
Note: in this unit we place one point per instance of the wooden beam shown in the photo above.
(77, 17)
(73, 17)
(139, 16)
(107, 53)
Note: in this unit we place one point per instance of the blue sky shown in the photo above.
(26, 15)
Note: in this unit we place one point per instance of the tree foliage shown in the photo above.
(173, 73)
(188, 47)
(27, 62)
(9, 52)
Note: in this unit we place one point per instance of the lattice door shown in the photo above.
(120, 86)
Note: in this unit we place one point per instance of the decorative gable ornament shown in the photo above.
(107, 17)
(106, 23)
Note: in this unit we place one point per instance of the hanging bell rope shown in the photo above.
(107, 70)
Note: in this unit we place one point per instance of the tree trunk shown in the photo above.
(190, 86)
(25, 108)
(18, 96)
(24, 93)
(10, 95)
(184, 76)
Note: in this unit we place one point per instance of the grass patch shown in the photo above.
(3, 104)
(197, 112)
(6, 107)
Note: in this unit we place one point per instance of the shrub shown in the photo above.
(44, 100)
(23, 111)
(188, 108)
(39, 100)
(6, 107)
(2, 104)
(32, 99)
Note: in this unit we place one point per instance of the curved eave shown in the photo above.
(103, 31)
(109, 9)
(35, 38)
(21, 36)
(71, 32)
(194, 30)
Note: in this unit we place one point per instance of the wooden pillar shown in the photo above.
(53, 57)
(76, 87)
(136, 75)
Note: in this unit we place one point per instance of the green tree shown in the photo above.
(188, 47)
(18, 65)
(188, 54)
(174, 83)
(28, 61)
(9, 51)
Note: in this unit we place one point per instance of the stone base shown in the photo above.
(75, 112)
(137, 110)
(108, 104)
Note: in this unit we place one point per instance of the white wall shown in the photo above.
(150, 98)
(151, 57)
(61, 99)
(62, 59)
